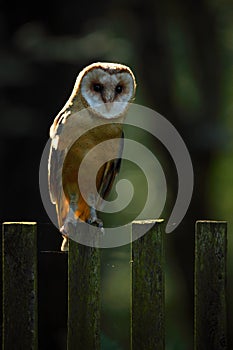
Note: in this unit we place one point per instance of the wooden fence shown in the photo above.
(20, 289)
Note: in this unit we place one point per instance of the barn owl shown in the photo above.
(103, 91)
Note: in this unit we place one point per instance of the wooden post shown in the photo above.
(210, 285)
(147, 328)
(83, 296)
(1, 288)
(19, 251)
(52, 286)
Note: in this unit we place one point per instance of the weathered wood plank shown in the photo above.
(83, 296)
(147, 327)
(19, 252)
(1, 301)
(210, 285)
(52, 299)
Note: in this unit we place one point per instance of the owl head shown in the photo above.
(107, 88)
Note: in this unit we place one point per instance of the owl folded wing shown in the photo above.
(56, 159)
(112, 168)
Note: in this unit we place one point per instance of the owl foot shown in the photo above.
(93, 219)
(95, 222)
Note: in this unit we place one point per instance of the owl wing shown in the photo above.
(112, 168)
(55, 164)
(56, 158)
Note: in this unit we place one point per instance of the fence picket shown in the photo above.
(147, 328)
(83, 296)
(19, 253)
(210, 285)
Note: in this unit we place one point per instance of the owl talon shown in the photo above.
(93, 219)
(95, 222)
(100, 223)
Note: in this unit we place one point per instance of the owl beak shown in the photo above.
(107, 98)
(108, 106)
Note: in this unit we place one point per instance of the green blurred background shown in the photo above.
(181, 53)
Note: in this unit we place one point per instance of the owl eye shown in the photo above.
(119, 89)
(97, 87)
